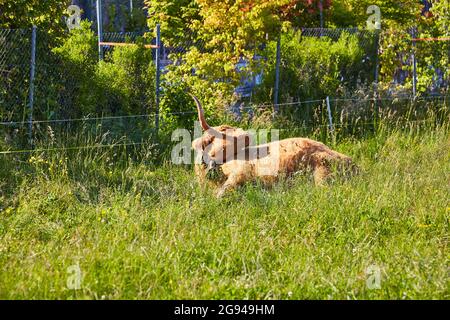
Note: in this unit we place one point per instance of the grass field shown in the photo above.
(141, 231)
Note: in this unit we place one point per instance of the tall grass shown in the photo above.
(141, 228)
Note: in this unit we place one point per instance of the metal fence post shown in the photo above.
(31, 90)
(377, 62)
(99, 28)
(158, 75)
(377, 66)
(330, 117)
(277, 74)
(413, 35)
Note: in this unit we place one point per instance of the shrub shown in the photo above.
(313, 68)
(72, 74)
(123, 84)
(127, 81)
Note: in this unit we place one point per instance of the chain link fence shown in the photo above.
(317, 62)
(419, 62)
(71, 92)
(116, 101)
(15, 62)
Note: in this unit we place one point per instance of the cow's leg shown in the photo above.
(321, 173)
(200, 172)
(232, 182)
(223, 189)
(320, 163)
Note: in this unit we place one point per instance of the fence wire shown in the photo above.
(69, 98)
(124, 37)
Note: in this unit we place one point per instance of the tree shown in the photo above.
(47, 15)
(305, 13)
(219, 35)
(227, 30)
(352, 13)
(434, 56)
(174, 16)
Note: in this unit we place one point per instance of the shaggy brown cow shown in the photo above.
(228, 150)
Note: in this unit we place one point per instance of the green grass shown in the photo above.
(145, 231)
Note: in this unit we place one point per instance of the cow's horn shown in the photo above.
(201, 113)
(201, 118)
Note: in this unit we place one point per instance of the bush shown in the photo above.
(76, 85)
(74, 67)
(127, 81)
(312, 68)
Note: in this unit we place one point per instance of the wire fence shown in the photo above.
(70, 96)
(317, 62)
(15, 61)
(348, 117)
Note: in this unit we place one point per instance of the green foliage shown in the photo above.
(80, 46)
(136, 20)
(313, 68)
(175, 18)
(177, 82)
(46, 15)
(352, 13)
(14, 75)
(127, 81)
(227, 34)
(433, 56)
(176, 107)
(224, 33)
(76, 85)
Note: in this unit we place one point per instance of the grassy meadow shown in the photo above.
(136, 230)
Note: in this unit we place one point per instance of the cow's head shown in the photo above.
(219, 144)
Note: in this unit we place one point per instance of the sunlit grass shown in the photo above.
(138, 230)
